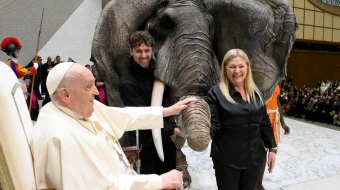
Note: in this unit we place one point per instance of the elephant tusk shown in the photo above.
(156, 100)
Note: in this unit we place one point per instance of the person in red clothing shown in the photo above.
(11, 46)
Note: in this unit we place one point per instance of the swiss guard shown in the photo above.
(11, 46)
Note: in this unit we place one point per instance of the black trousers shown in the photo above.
(150, 162)
(34, 111)
(36, 89)
(47, 100)
(229, 178)
(43, 87)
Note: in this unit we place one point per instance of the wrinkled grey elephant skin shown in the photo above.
(192, 38)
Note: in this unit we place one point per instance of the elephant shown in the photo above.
(191, 39)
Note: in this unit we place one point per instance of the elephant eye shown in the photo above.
(169, 24)
(163, 24)
(166, 24)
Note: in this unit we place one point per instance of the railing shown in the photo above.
(331, 2)
(329, 6)
(316, 46)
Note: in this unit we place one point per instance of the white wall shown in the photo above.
(21, 18)
(74, 37)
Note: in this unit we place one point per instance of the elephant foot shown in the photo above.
(182, 165)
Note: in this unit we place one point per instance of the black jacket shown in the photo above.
(135, 87)
(238, 131)
(44, 69)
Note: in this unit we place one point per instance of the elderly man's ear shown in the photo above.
(64, 95)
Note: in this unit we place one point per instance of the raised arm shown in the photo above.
(132, 118)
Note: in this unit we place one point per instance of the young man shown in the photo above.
(135, 88)
(11, 46)
(75, 140)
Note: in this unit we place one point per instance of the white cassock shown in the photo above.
(72, 154)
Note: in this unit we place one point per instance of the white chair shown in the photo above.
(16, 163)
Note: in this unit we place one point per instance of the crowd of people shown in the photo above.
(332, 2)
(319, 104)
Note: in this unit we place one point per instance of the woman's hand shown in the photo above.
(271, 161)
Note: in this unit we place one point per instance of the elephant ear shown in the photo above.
(110, 46)
(265, 30)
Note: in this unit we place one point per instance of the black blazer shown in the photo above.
(238, 131)
(44, 71)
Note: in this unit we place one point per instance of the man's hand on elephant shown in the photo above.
(172, 180)
(178, 132)
(178, 107)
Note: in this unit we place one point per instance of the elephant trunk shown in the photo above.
(156, 100)
(190, 70)
(195, 77)
(195, 124)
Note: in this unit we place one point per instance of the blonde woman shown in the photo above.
(239, 126)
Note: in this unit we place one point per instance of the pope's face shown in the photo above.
(83, 92)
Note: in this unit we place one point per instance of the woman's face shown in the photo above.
(236, 70)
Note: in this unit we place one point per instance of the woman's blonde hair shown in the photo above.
(250, 87)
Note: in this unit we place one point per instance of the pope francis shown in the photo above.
(75, 140)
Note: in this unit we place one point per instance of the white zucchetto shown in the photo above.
(56, 75)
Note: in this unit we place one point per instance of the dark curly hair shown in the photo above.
(140, 37)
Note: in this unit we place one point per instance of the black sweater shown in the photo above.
(135, 87)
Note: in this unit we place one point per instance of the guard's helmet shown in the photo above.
(10, 45)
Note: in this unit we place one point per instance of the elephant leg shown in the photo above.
(181, 162)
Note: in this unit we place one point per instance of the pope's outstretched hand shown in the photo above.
(178, 107)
